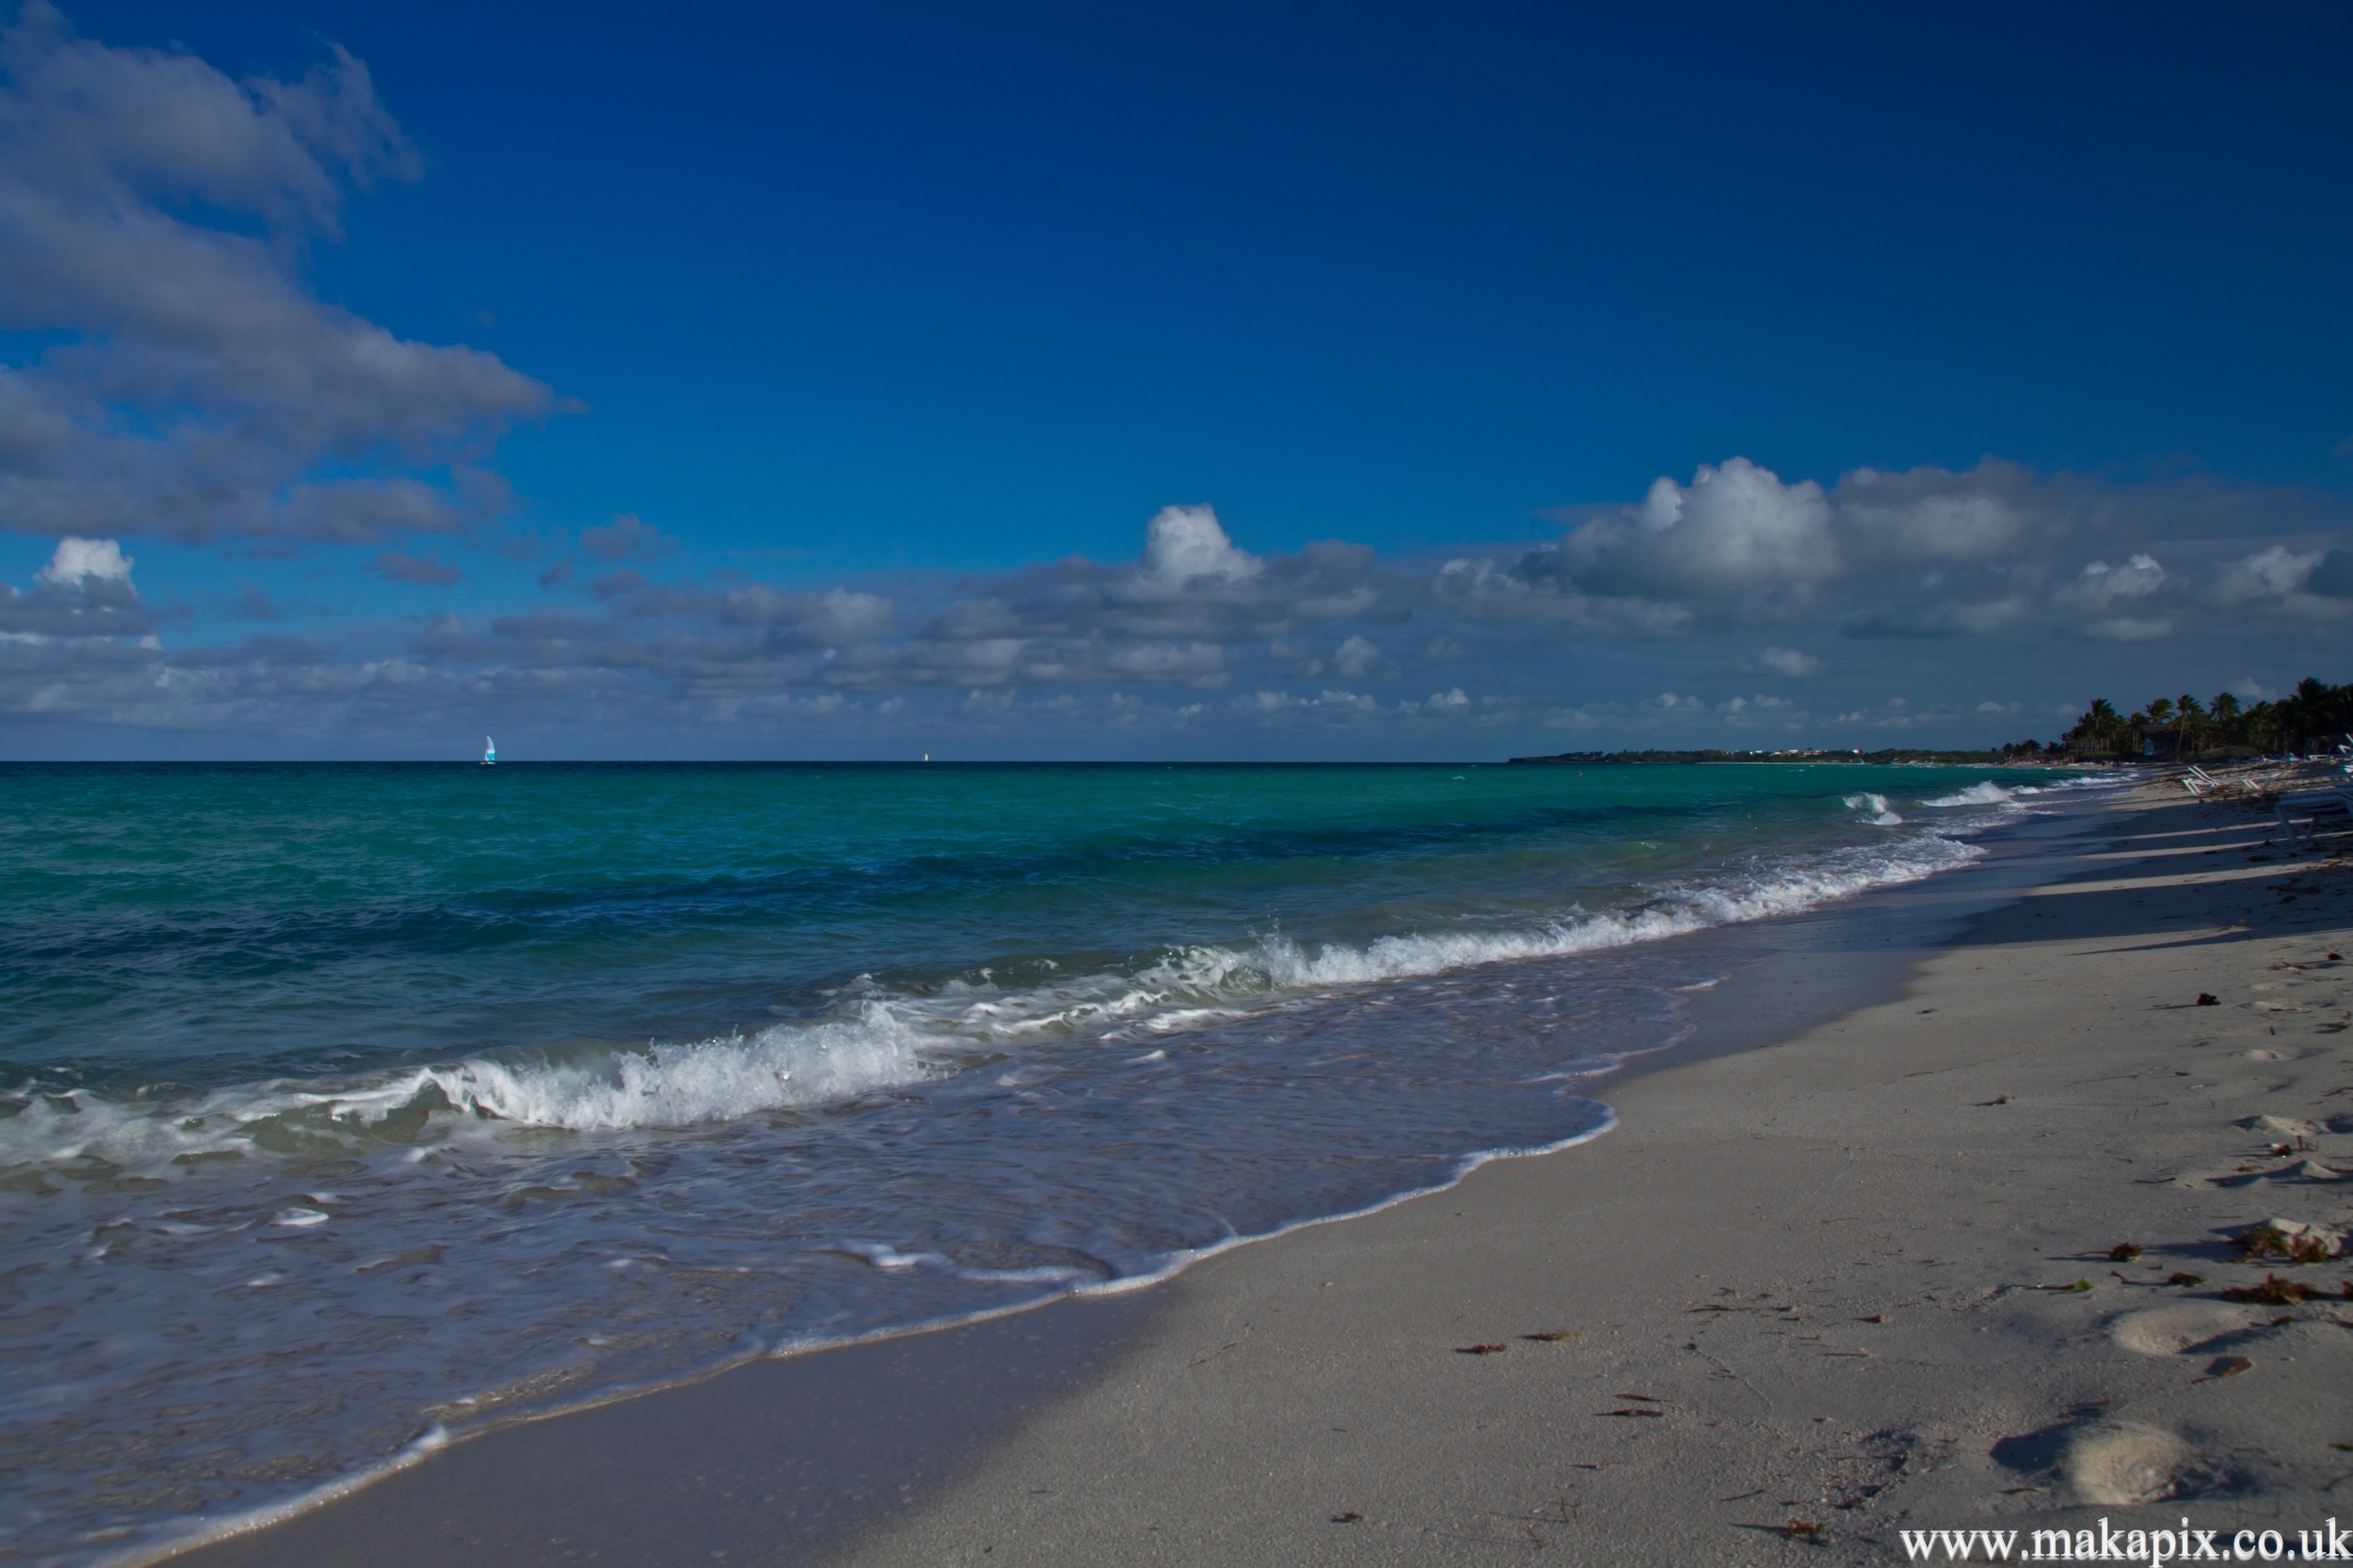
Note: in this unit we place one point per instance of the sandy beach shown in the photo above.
(1960, 1258)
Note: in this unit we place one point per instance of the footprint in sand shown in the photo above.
(2123, 1465)
(2172, 1330)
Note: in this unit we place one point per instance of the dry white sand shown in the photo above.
(1803, 1298)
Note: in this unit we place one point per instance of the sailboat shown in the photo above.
(489, 752)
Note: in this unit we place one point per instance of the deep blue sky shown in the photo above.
(898, 288)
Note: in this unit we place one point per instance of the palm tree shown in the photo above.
(2229, 719)
(2192, 715)
(2100, 728)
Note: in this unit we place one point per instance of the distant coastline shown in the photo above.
(1892, 754)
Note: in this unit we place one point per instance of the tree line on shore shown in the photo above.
(2315, 713)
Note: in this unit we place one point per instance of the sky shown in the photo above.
(1268, 382)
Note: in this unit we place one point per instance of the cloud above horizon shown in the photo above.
(177, 384)
(1923, 553)
(153, 214)
(1200, 640)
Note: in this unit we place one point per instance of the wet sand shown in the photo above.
(1807, 1295)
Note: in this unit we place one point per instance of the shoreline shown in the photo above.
(944, 1411)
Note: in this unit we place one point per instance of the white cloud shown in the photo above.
(1933, 515)
(1356, 658)
(84, 593)
(1927, 552)
(197, 388)
(2279, 581)
(76, 559)
(1078, 643)
(1789, 661)
(2110, 602)
(2101, 586)
(1186, 548)
(1734, 529)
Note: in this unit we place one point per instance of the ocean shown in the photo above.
(345, 1107)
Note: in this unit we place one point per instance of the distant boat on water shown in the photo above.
(489, 752)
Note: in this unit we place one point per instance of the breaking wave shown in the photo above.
(1874, 809)
(1986, 793)
(882, 1040)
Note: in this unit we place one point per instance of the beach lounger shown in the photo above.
(2315, 803)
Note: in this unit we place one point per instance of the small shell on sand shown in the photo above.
(2119, 1464)
(2172, 1330)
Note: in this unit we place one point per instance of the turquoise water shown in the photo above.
(341, 1105)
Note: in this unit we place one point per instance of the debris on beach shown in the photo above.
(2207, 999)
(2178, 1277)
(1348, 1518)
(2123, 1252)
(2227, 1366)
(2293, 1240)
(1480, 1350)
(2275, 1291)
(1556, 1335)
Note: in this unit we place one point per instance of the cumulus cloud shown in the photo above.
(198, 389)
(1180, 612)
(1735, 531)
(1789, 661)
(84, 593)
(1185, 548)
(1536, 589)
(1356, 658)
(2117, 603)
(1309, 640)
(2311, 585)
(1927, 552)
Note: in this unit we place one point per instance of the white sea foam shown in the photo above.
(1986, 793)
(889, 1039)
(707, 1080)
(2086, 781)
(899, 1039)
(665, 1085)
(1874, 809)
